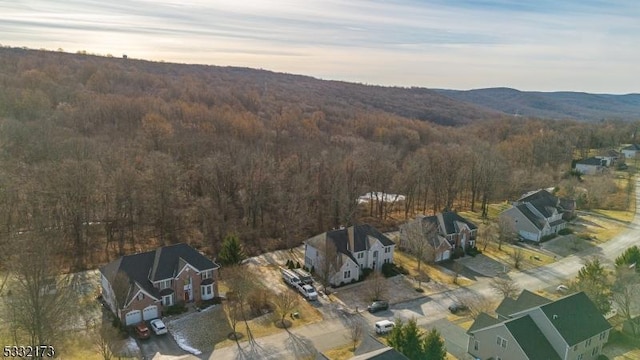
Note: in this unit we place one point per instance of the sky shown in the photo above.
(544, 45)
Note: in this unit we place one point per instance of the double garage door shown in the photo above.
(136, 316)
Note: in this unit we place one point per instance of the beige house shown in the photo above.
(570, 328)
(356, 248)
(139, 287)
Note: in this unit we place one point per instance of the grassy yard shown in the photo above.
(531, 258)
(410, 263)
(343, 352)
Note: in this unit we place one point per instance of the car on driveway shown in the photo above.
(562, 288)
(458, 307)
(378, 306)
(158, 327)
(142, 331)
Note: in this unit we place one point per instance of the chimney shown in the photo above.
(350, 237)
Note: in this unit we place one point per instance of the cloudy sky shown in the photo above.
(547, 45)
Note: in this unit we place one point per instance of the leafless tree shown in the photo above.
(376, 286)
(506, 232)
(457, 269)
(241, 283)
(517, 255)
(625, 294)
(105, 339)
(419, 237)
(478, 304)
(329, 262)
(356, 331)
(505, 287)
(285, 302)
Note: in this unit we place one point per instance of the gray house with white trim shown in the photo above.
(535, 215)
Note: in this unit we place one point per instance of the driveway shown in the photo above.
(162, 344)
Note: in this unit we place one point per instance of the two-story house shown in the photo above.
(138, 287)
(355, 248)
(444, 232)
(535, 215)
(570, 328)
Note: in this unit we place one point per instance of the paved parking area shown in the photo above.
(566, 245)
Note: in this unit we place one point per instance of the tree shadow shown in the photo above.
(254, 351)
(300, 346)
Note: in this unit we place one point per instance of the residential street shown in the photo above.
(430, 311)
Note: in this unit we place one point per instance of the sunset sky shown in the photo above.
(547, 45)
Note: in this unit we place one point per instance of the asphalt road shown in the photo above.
(163, 344)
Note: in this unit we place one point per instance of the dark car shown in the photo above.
(378, 306)
(458, 307)
(142, 331)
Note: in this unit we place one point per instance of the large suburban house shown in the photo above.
(610, 157)
(630, 151)
(533, 327)
(536, 215)
(351, 249)
(444, 232)
(138, 287)
(591, 166)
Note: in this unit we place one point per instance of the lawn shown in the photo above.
(531, 258)
(434, 273)
(343, 352)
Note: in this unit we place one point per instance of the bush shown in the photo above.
(548, 237)
(176, 309)
(298, 265)
(366, 272)
(390, 269)
(458, 253)
(473, 251)
(565, 231)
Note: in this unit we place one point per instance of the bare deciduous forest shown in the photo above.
(120, 155)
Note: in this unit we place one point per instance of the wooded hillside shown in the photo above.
(118, 155)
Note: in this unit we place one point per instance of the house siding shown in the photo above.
(522, 224)
(348, 266)
(139, 304)
(588, 169)
(488, 347)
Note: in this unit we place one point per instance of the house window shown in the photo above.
(206, 289)
(360, 255)
(594, 351)
(375, 254)
(167, 300)
(347, 274)
(386, 261)
(588, 343)
(207, 274)
(476, 345)
(140, 296)
(579, 357)
(502, 342)
(387, 250)
(575, 348)
(603, 335)
(164, 284)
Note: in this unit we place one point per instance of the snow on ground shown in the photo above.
(184, 346)
(129, 348)
(192, 331)
(390, 198)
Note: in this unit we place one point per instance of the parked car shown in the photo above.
(458, 307)
(308, 291)
(142, 331)
(158, 327)
(378, 306)
(384, 326)
(562, 288)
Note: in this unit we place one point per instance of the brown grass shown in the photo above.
(410, 263)
(343, 352)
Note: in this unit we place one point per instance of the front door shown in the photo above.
(187, 290)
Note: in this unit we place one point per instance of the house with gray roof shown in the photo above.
(570, 328)
(140, 286)
(591, 166)
(351, 249)
(535, 215)
(630, 151)
(444, 232)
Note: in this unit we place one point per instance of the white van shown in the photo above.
(384, 326)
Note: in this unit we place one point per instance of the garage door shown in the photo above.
(150, 312)
(446, 255)
(133, 317)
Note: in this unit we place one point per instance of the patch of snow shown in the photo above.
(377, 196)
(183, 344)
(129, 348)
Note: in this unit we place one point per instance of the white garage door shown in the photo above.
(133, 317)
(446, 255)
(150, 312)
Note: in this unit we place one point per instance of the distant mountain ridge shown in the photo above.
(553, 105)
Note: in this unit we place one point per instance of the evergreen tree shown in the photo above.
(434, 346)
(408, 339)
(629, 257)
(594, 281)
(231, 252)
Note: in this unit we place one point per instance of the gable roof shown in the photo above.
(482, 321)
(535, 220)
(531, 339)
(575, 317)
(360, 234)
(387, 353)
(526, 300)
(634, 147)
(162, 263)
(541, 200)
(452, 221)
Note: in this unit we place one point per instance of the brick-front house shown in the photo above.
(138, 287)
